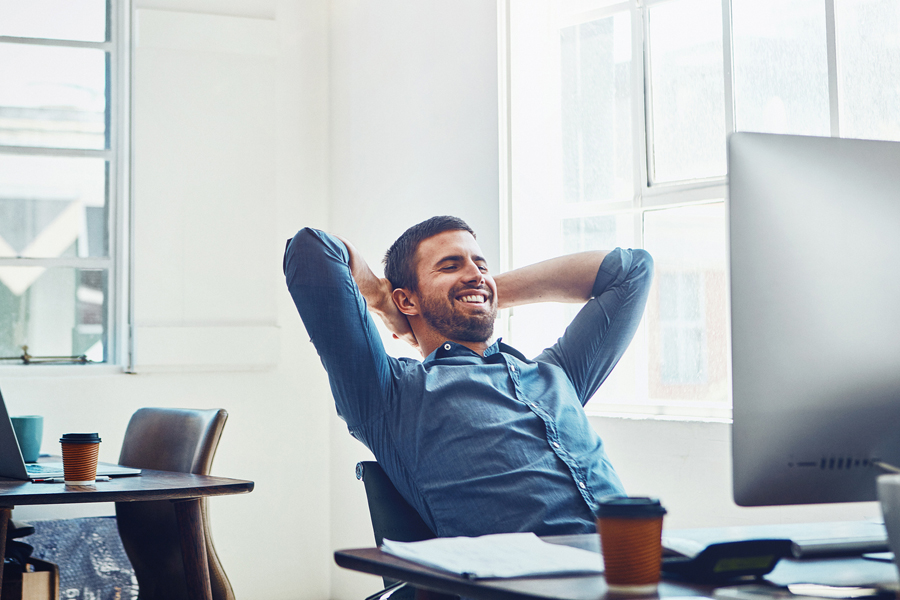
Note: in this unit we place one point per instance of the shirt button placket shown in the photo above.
(514, 374)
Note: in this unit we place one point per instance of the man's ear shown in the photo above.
(406, 301)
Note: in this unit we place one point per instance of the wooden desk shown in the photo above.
(573, 587)
(838, 571)
(183, 489)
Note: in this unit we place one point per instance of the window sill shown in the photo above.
(57, 370)
(616, 413)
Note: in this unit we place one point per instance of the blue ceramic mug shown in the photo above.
(29, 430)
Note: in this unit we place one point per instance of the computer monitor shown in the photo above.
(814, 226)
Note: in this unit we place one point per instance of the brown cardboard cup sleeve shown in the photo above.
(631, 541)
(80, 452)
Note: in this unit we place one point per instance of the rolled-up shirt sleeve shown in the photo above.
(599, 335)
(317, 272)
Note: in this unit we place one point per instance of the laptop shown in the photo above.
(13, 466)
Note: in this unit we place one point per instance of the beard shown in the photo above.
(441, 314)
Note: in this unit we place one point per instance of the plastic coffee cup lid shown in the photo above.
(629, 507)
(80, 438)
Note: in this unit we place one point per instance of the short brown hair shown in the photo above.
(400, 259)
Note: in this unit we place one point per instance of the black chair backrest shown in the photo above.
(392, 516)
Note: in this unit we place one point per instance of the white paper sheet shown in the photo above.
(497, 556)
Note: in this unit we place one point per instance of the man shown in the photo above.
(476, 437)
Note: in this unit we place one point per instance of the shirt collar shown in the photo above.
(447, 349)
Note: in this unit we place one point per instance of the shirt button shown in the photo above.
(556, 444)
(533, 405)
(512, 368)
(446, 346)
(581, 483)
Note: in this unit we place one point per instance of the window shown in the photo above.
(62, 179)
(618, 115)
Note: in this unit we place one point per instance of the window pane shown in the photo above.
(53, 311)
(542, 324)
(596, 110)
(686, 90)
(52, 206)
(780, 67)
(603, 232)
(52, 97)
(686, 312)
(82, 20)
(868, 47)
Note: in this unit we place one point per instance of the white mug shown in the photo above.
(889, 497)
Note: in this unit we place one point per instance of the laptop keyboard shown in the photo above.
(37, 468)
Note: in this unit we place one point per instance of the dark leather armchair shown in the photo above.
(168, 439)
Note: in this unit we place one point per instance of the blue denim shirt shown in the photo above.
(476, 444)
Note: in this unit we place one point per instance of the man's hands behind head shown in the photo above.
(378, 294)
(394, 320)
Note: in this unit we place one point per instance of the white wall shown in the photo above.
(413, 118)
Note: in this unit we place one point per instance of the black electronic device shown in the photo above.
(728, 561)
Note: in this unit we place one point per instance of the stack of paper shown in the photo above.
(497, 555)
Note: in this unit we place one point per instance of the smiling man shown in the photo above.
(449, 293)
(478, 438)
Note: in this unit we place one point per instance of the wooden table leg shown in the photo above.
(193, 548)
(4, 522)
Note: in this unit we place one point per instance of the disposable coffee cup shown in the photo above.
(80, 452)
(631, 541)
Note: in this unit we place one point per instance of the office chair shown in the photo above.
(168, 439)
(393, 518)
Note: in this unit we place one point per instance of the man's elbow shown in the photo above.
(641, 265)
(309, 247)
(294, 247)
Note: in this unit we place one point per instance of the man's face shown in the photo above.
(457, 295)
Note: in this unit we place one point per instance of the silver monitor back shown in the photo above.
(814, 227)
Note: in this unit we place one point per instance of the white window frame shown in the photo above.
(119, 339)
(649, 195)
